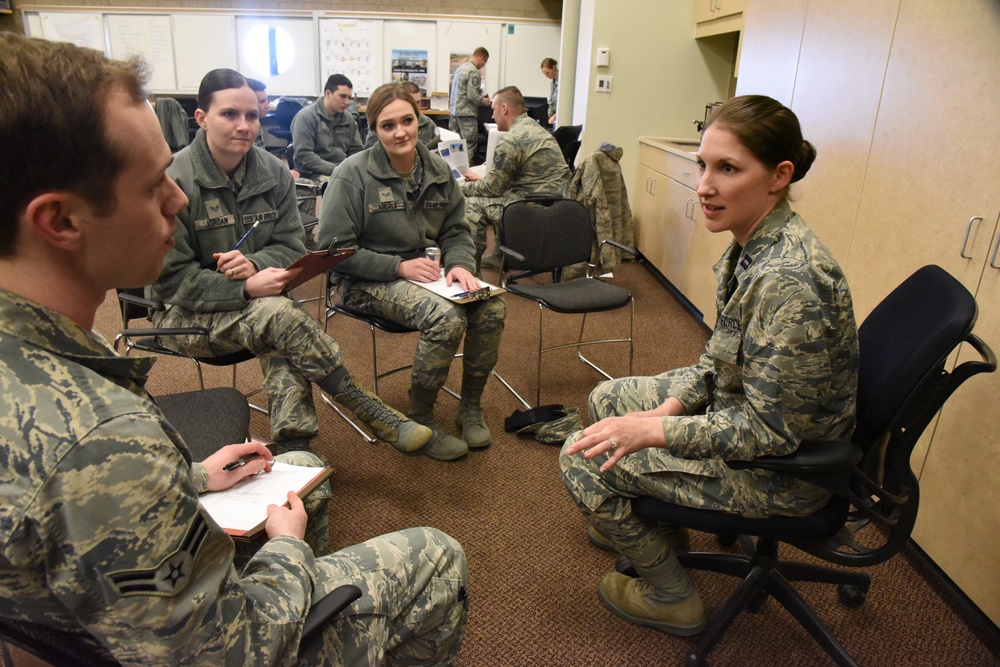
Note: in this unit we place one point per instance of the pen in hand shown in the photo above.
(242, 461)
(249, 231)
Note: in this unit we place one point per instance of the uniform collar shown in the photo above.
(208, 175)
(53, 332)
(736, 262)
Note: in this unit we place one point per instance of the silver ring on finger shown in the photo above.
(232, 272)
(612, 445)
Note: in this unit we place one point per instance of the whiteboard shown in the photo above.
(410, 36)
(202, 42)
(524, 47)
(149, 36)
(300, 78)
(463, 37)
(352, 48)
(82, 29)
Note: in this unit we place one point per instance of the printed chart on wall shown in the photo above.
(410, 66)
(349, 48)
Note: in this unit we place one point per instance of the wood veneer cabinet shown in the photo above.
(901, 98)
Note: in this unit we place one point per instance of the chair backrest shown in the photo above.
(57, 648)
(551, 233)
(285, 112)
(566, 135)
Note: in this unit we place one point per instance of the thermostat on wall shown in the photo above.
(603, 57)
(603, 84)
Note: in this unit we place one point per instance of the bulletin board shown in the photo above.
(215, 36)
(353, 48)
(149, 36)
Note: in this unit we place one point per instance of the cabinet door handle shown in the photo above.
(689, 209)
(968, 231)
(993, 256)
(652, 185)
(685, 172)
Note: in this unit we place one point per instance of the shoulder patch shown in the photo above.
(171, 575)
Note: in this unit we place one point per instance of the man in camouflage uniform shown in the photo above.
(466, 98)
(527, 160)
(101, 533)
(781, 367)
(326, 132)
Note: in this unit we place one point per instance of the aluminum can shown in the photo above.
(434, 254)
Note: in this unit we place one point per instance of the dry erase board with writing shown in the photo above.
(150, 36)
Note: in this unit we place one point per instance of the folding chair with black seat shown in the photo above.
(568, 138)
(905, 345)
(546, 235)
(375, 323)
(134, 306)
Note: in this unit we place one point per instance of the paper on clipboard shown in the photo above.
(241, 510)
(459, 294)
(316, 262)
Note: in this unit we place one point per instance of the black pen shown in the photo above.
(242, 461)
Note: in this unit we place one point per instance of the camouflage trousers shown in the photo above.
(289, 343)
(484, 212)
(413, 605)
(605, 498)
(317, 505)
(467, 128)
(442, 325)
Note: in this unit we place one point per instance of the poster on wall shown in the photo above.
(410, 66)
(456, 60)
(348, 48)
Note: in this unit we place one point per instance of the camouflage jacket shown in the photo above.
(782, 363)
(101, 533)
(367, 206)
(323, 141)
(466, 90)
(527, 160)
(599, 185)
(217, 218)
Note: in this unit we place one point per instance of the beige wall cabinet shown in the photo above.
(715, 17)
(895, 96)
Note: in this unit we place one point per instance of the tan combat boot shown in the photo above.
(388, 425)
(443, 446)
(636, 601)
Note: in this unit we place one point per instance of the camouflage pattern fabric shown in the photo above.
(780, 367)
(323, 141)
(467, 127)
(442, 325)
(103, 536)
(527, 160)
(290, 345)
(466, 91)
(598, 185)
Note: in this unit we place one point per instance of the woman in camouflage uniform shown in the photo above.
(392, 202)
(781, 367)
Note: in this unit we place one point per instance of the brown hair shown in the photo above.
(512, 97)
(768, 129)
(383, 96)
(216, 80)
(548, 62)
(481, 51)
(53, 134)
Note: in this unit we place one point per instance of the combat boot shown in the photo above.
(388, 425)
(443, 446)
(470, 414)
(638, 602)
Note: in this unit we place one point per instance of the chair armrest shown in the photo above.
(324, 610)
(620, 246)
(151, 332)
(513, 253)
(141, 301)
(827, 464)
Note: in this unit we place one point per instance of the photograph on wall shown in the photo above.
(456, 60)
(409, 65)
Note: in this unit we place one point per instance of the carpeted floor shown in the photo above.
(532, 571)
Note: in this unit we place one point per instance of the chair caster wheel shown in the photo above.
(852, 596)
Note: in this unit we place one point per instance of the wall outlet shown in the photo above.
(604, 84)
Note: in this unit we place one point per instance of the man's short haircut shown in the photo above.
(481, 51)
(410, 87)
(337, 80)
(512, 97)
(549, 63)
(53, 134)
(256, 86)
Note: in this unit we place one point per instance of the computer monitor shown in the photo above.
(491, 147)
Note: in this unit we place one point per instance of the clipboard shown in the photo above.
(316, 262)
(456, 293)
(240, 498)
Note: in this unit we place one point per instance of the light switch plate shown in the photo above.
(604, 84)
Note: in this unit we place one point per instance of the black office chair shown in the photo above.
(63, 649)
(305, 195)
(568, 138)
(546, 234)
(283, 115)
(905, 344)
(134, 306)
